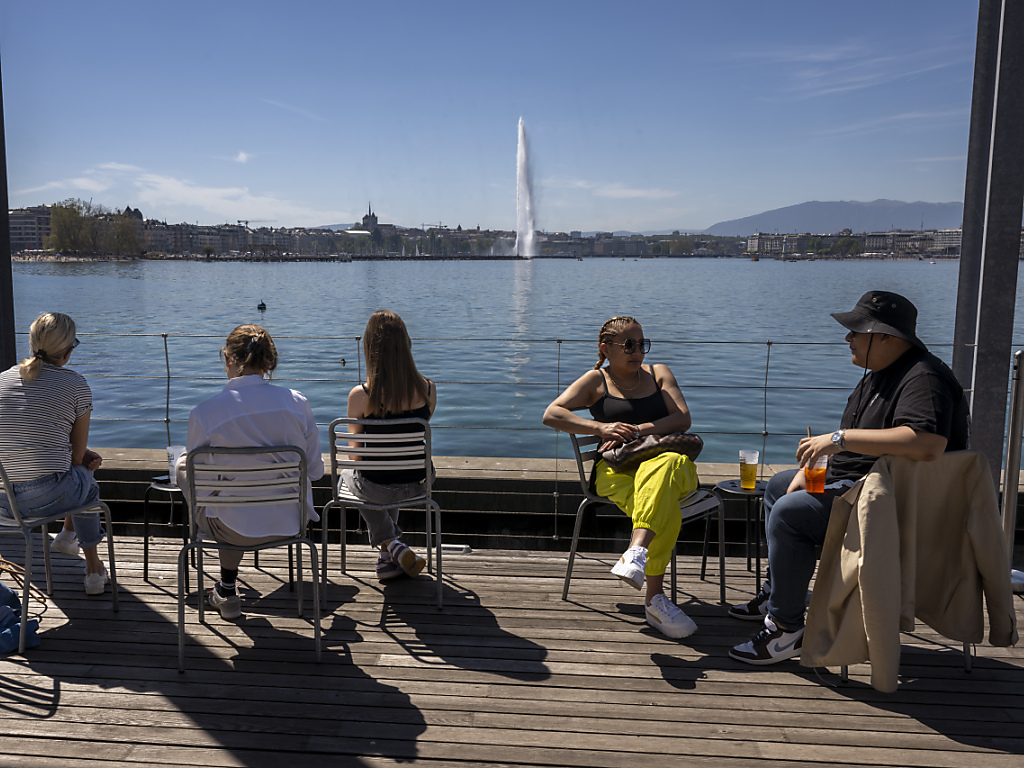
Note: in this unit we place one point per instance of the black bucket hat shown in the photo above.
(883, 312)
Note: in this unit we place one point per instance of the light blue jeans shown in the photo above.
(381, 524)
(52, 494)
(795, 525)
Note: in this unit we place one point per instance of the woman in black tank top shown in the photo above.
(628, 400)
(393, 389)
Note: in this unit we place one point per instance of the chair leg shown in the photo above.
(183, 557)
(199, 582)
(721, 552)
(438, 577)
(707, 543)
(112, 564)
(967, 657)
(344, 532)
(572, 549)
(428, 527)
(145, 533)
(297, 577)
(291, 568)
(316, 599)
(844, 675)
(25, 588)
(44, 533)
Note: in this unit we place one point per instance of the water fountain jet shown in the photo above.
(525, 223)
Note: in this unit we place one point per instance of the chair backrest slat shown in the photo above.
(381, 451)
(258, 477)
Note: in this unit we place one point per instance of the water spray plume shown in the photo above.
(525, 223)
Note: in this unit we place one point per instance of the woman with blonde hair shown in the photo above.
(250, 412)
(44, 429)
(393, 389)
(629, 400)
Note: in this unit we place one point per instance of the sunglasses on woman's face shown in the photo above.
(629, 346)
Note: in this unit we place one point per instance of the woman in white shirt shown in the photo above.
(44, 428)
(250, 412)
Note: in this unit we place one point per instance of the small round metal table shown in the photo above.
(754, 503)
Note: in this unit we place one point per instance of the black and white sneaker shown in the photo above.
(769, 646)
(756, 609)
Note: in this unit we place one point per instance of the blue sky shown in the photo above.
(642, 116)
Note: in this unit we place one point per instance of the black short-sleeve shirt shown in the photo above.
(919, 391)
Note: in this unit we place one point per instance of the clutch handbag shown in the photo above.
(631, 455)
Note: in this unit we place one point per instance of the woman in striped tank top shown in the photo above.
(44, 428)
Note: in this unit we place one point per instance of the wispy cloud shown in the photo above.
(117, 167)
(613, 190)
(821, 70)
(294, 110)
(242, 157)
(913, 119)
(160, 192)
(946, 159)
(164, 196)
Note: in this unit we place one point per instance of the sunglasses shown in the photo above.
(74, 345)
(629, 346)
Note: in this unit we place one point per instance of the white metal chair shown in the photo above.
(25, 526)
(250, 477)
(408, 449)
(699, 505)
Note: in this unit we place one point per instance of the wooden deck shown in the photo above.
(507, 674)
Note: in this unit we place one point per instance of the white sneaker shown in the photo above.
(230, 607)
(66, 541)
(630, 567)
(669, 619)
(95, 583)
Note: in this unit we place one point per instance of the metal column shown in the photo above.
(8, 350)
(993, 199)
(1011, 474)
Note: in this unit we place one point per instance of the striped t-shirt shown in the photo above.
(36, 419)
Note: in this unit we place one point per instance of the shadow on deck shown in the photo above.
(507, 674)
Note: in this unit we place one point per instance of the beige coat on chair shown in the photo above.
(912, 538)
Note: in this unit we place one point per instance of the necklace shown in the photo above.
(622, 388)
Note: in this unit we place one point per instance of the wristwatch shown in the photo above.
(839, 439)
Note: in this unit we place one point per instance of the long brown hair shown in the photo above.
(250, 346)
(52, 334)
(609, 331)
(392, 381)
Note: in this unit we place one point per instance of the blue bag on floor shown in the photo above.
(10, 623)
(9, 598)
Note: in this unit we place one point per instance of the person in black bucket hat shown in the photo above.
(908, 403)
(883, 312)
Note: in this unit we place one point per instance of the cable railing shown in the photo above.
(492, 389)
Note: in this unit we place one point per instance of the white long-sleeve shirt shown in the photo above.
(252, 412)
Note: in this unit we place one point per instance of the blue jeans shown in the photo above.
(381, 524)
(795, 525)
(52, 494)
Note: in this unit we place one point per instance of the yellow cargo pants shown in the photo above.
(650, 495)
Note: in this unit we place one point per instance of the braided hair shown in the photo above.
(609, 331)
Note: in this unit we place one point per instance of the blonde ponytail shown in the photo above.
(51, 336)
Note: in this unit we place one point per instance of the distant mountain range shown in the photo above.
(820, 218)
(829, 217)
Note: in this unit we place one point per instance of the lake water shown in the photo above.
(500, 338)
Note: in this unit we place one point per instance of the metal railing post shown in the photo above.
(167, 401)
(1011, 472)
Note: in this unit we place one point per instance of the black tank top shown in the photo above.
(639, 410)
(394, 477)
